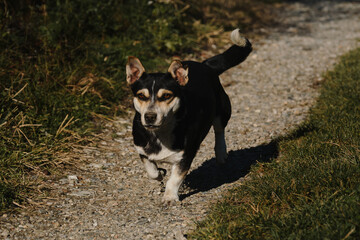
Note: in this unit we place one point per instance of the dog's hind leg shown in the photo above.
(223, 115)
(220, 144)
(152, 169)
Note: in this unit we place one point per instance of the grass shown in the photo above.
(312, 190)
(62, 68)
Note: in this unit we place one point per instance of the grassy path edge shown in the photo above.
(312, 190)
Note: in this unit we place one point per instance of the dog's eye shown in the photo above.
(142, 97)
(166, 96)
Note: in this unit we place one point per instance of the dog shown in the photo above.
(175, 111)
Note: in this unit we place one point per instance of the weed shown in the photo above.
(62, 67)
(312, 190)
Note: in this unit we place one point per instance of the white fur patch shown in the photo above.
(140, 150)
(237, 39)
(166, 155)
(151, 169)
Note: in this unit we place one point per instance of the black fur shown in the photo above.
(202, 100)
(230, 58)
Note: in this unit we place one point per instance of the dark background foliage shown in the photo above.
(62, 68)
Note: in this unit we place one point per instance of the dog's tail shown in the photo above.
(236, 54)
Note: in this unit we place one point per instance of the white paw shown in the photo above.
(170, 197)
(156, 175)
(237, 38)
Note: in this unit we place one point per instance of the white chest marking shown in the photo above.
(165, 155)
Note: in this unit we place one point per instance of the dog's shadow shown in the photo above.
(211, 175)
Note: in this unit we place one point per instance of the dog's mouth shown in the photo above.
(152, 127)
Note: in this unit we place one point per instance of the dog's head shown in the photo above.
(156, 95)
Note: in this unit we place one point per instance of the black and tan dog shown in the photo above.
(175, 111)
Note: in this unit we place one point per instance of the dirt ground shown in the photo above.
(111, 197)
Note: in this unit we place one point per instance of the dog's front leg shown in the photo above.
(178, 174)
(152, 169)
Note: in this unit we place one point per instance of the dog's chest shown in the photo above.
(157, 150)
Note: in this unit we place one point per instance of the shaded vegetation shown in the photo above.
(312, 191)
(62, 67)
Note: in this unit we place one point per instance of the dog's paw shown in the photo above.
(161, 174)
(170, 198)
(220, 153)
(221, 158)
(237, 38)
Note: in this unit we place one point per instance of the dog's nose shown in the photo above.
(150, 117)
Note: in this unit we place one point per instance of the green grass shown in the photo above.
(312, 190)
(62, 67)
(62, 64)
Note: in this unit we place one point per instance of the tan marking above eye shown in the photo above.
(164, 92)
(144, 91)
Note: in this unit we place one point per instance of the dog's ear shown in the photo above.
(134, 70)
(178, 72)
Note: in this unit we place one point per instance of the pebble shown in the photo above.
(95, 165)
(83, 193)
(179, 235)
(271, 93)
(5, 233)
(73, 179)
(63, 181)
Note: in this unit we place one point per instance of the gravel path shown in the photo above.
(111, 197)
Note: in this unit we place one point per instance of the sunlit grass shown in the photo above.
(312, 191)
(62, 67)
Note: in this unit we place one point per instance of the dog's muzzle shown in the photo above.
(150, 118)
